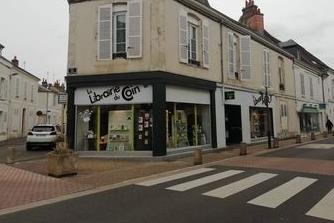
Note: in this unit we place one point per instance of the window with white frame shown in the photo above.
(284, 110)
(193, 33)
(17, 88)
(332, 89)
(3, 88)
(120, 30)
(239, 57)
(302, 84)
(281, 73)
(192, 43)
(119, 25)
(233, 56)
(266, 68)
(311, 87)
(25, 90)
(32, 93)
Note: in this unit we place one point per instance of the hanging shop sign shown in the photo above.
(127, 94)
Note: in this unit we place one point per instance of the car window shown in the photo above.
(43, 129)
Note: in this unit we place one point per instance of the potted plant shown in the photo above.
(62, 161)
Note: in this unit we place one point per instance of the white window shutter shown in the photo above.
(206, 41)
(105, 32)
(245, 48)
(231, 71)
(264, 68)
(268, 69)
(183, 36)
(135, 29)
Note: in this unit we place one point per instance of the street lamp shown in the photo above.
(265, 99)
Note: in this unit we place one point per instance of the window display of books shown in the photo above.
(119, 131)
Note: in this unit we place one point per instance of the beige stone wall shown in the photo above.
(160, 42)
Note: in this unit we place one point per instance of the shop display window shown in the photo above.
(114, 128)
(309, 122)
(259, 123)
(187, 125)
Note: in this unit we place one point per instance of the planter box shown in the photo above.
(64, 164)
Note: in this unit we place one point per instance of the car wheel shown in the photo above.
(28, 147)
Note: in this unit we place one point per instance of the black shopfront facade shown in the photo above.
(144, 111)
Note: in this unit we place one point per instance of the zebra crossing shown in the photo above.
(271, 199)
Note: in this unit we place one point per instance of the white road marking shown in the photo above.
(279, 195)
(240, 185)
(204, 180)
(324, 208)
(174, 177)
(317, 146)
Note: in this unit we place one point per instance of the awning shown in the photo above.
(310, 110)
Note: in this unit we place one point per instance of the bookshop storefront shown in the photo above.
(142, 115)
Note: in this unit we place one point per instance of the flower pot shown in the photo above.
(62, 164)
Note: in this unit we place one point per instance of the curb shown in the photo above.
(134, 181)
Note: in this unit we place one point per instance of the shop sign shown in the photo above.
(62, 98)
(229, 95)
(322, 106)
(114, 95)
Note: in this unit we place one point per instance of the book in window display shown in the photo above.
(120, 131)
(143, 133)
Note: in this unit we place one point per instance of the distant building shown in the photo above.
(49, 111)
(18, 99)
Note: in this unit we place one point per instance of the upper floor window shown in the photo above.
(193, 33)
(25, 90)
(266, 69)
(192, 43)
(311, 87)
(3, 88)
(32, 93)
(17, 88)
(332, 89)
(120, 30)
(302, 84)
(281, 73)
(239, 57)
(119, 34)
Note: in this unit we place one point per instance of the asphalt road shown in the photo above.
(22, 154)
(214, 194)
(310, 151)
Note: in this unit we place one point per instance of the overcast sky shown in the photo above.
(36, 30)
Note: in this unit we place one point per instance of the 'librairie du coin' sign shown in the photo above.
(109, 95)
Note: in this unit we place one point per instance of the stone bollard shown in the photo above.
(11, 156)
(198, 158)
(243, 149)
(312, 136)
(298, 139)
(276, 143)
(325, 134)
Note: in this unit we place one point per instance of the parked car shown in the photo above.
(43, 136)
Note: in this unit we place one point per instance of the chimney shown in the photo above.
(252, 17)
(44, 83)
(15, 62)
(1, 48)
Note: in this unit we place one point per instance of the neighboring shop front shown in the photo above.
(140, 113)
(310, 117)
(246, 117)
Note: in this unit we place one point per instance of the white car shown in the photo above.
(43, 135)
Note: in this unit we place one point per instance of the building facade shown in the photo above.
(49, 110)
(18, 99)
(142, 84)
(157, 77)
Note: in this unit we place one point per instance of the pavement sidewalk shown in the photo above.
(27, 182)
